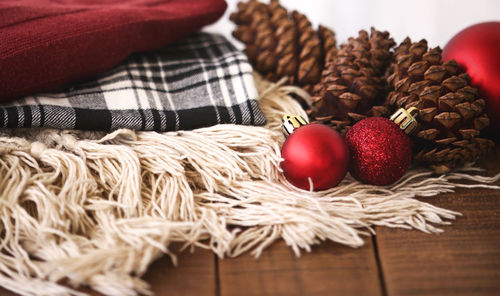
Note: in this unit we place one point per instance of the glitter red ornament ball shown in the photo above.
(477, 50)
(314, 151)
(380, 151)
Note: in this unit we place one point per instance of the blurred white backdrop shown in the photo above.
(435, 20)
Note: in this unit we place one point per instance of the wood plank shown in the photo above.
(194, 275)
(464, 260)
(331, 269)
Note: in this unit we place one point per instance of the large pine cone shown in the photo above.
(451, 111)
(280, 44)
(352, 85)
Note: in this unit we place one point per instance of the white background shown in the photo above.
(435, 20)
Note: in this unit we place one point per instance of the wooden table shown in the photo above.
(464, 260)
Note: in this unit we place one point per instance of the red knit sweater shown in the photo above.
(48, 43)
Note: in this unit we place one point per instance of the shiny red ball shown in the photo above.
(477, 50)
(315, 151)
(380, 151)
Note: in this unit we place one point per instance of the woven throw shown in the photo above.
(96, 208)
(200, 81)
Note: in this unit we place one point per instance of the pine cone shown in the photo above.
(351, 87)
(451, 111)
(287, 46)
(246, 11)
(310, 57)
(329, 43)
(280, 44)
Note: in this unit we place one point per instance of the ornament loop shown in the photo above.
(291, 123)
(405, 119)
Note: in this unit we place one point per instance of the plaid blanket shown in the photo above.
(201, 81)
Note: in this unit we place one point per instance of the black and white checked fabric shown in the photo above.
(201, 81)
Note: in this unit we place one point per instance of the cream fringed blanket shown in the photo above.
(97, 209)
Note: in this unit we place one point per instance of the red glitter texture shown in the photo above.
(380, 151)
(315, 151)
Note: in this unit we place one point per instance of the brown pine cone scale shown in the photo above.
(351, 87)
(279, 43)
(451, 110)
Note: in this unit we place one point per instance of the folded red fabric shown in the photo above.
(45, 44)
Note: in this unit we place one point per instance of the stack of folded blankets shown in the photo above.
(138, 65)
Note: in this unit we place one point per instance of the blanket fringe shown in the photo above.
(95, 209)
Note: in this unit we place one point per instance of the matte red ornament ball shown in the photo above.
(477, 50)
(315, 151)
(380, 151)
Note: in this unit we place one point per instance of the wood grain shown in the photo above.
(464, 260)
(331, 269)
(194, 275)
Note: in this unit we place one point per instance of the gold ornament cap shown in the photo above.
(405, 119)
(291, 123)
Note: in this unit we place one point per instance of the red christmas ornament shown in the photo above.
(380, 149)
(477, 50)
(313, 151)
